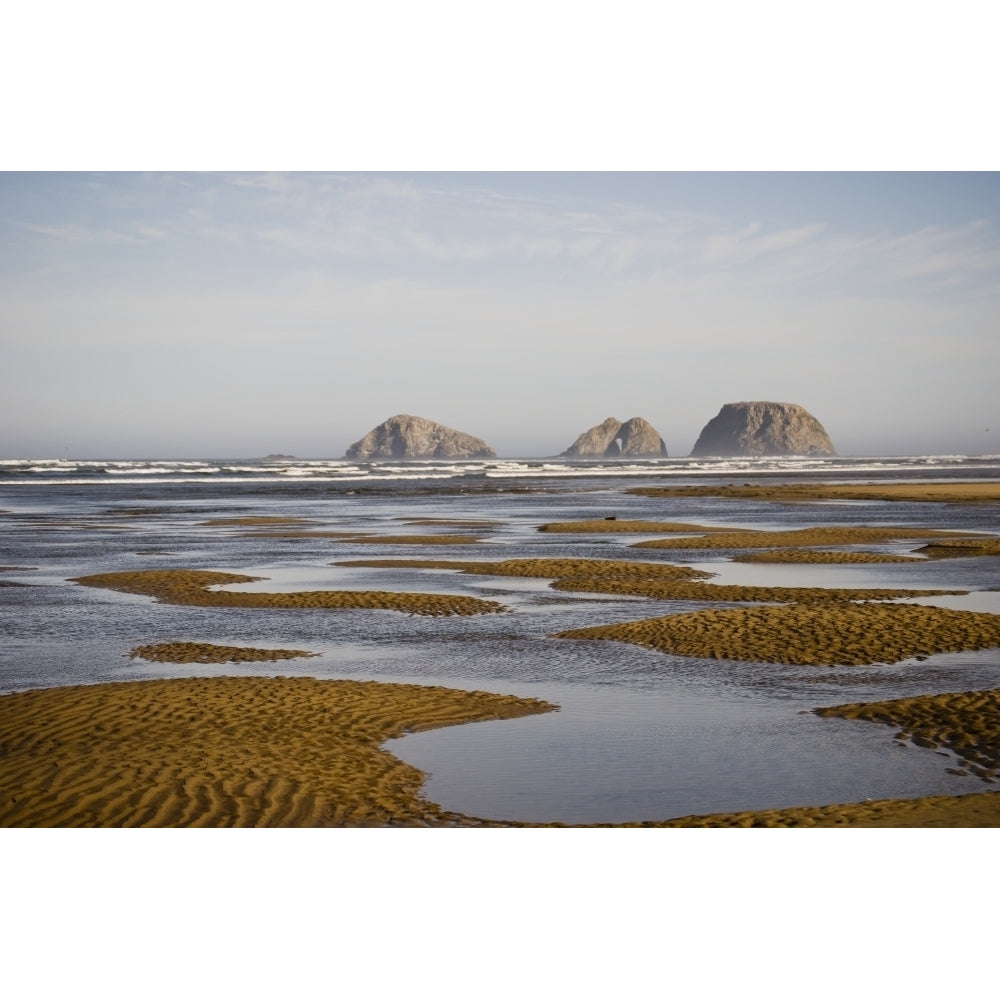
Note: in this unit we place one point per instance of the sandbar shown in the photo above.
(978, 809)
(657, 581)
(190, 587)
(301, 752)
(965, 722)
(986, 491)
(846, 634)
(825, 535)
(206, 652)
(227, 751)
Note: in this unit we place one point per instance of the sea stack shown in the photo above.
(636, 438)
(409, 437)
(762, 428)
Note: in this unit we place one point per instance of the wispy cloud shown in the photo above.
(476, 231)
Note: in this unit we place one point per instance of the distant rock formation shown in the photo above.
(636, 438)
(762, 428)
(404, 436)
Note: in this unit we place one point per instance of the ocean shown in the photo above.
(639, 734)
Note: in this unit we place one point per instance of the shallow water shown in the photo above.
(639, 735)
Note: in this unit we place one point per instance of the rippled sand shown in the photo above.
(981, 492)
(657, 581)
(206, 652)
(300, 752)
(179, 586)
(226, 751)
(811, 635)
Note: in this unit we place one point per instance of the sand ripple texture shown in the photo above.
(657, 581)
(966, 722)
(229, 751)
(835, 535)
(206, 652)
(177, 586)
(821, 635)
(946, 548)
(936, 811)
(965, 492)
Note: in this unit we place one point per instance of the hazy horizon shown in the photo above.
(193, 315)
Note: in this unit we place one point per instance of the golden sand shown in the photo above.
(978, 492)
(976, 545)
(179, 586)
(205, 652)
(657, 581)
(241, 751)
(853, 535)
(965, 722)
(941, 811)
(821, 557)
(229, 751)
(826, 634)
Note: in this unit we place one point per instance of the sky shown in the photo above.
(210, 314)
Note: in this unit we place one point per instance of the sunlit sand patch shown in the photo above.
(227, 751)
(612, 525)
(607, 568)
(938, 811)
(966, 722)
(817, 556)
(725, 593)
(961, 548)
(657, 581)
(190, 587)
(848, 535)
(205, 652)
(822, 635)
(979, 492)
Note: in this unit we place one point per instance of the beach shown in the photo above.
(275, 728)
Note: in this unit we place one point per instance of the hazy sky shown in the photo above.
(211, 315)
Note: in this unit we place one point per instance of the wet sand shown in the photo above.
(657, 581)
(226, 751)
(844, 634)
(300, 752)
(966, 723)
(179, 586)
(833, 535)
(205, 652)
(973, 492)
